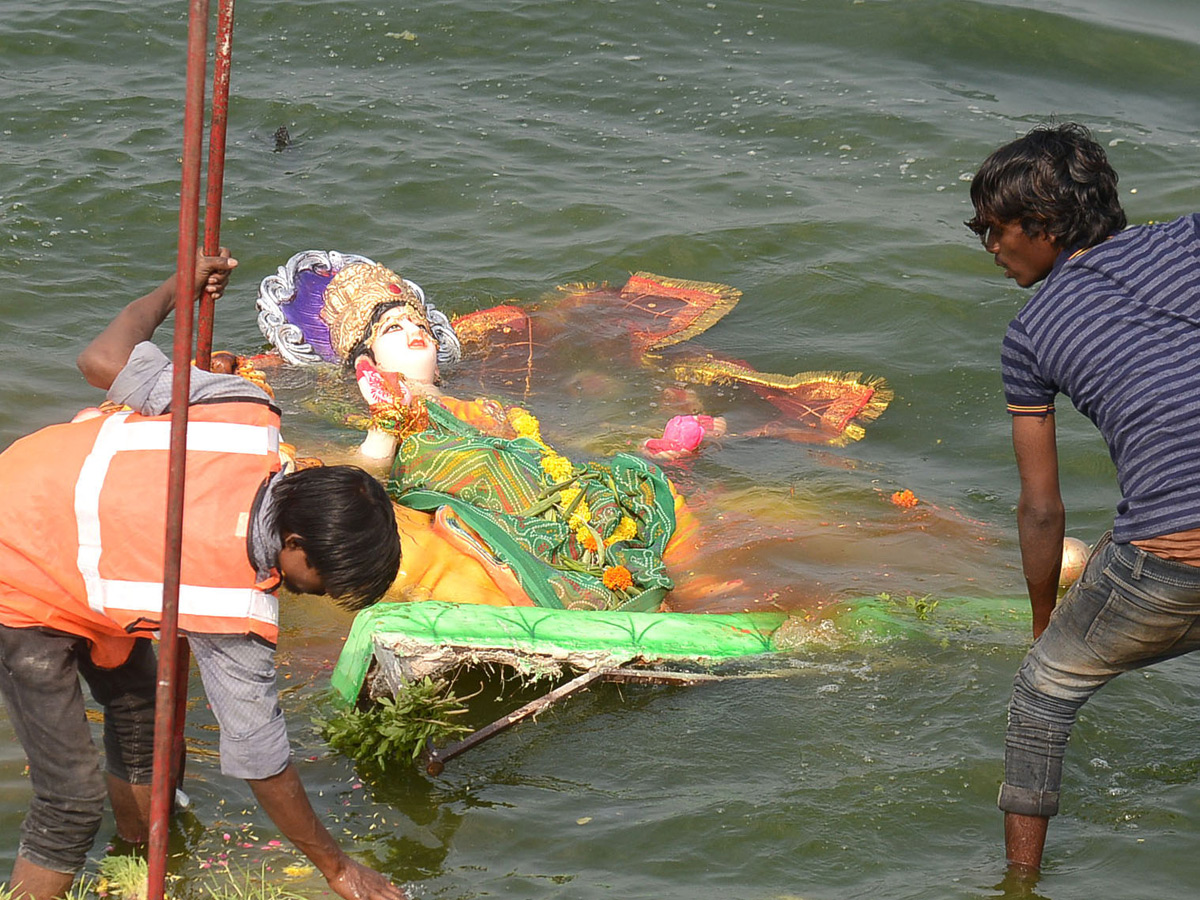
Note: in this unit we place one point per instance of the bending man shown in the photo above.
(81, 560)
(1114, 328)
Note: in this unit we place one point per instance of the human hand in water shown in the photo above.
(358, 882)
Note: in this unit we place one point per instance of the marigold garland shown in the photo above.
(571, 499)
(255, 376)
(617, 578)
(525, 424)
(559, 468)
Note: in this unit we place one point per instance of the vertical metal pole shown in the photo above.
(163, 786)
(216, 169)
(204, 332)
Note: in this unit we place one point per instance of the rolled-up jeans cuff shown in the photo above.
(1026, 802)
(51, 865)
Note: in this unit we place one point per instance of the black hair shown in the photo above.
(346, 526)
(1055, 181)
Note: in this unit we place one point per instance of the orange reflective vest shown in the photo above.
(83, 534)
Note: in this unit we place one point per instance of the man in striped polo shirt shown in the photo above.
(1114, 328)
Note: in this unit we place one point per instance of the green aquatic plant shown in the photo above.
(126, 876)
(232, 884)
(83, 889)
(397, 728)
(923, 606)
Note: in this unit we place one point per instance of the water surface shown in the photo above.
(814, 154)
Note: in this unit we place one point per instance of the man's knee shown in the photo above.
(58, 832)
(1031, 703)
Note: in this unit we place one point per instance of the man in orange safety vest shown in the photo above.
(82, 537)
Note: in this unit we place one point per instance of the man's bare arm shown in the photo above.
(1041, 517)
(283, 798)
(108, 352)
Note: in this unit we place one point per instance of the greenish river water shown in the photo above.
(816, 154)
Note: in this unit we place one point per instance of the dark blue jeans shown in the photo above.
(1128, 610)
(39, 679)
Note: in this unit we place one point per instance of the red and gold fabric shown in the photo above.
(828, 407)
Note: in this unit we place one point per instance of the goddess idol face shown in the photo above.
(404, 346)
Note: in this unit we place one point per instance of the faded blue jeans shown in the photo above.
(1129, 609)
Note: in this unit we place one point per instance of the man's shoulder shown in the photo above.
(1137, 241)
(1185, 228)
(146, 383)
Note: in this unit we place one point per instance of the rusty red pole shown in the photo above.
(204, 328)
(163, 785)
(216, 169)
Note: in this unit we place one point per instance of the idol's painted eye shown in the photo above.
(393, 325)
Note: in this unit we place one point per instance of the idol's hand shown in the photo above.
(682, 436)
(381, 389)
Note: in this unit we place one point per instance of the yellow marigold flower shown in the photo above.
(559, 468)
(626, 530)
(581, 513)
(525, 424)
(580, 517)
(617, 578)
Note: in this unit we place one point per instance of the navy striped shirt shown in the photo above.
(1116, 329)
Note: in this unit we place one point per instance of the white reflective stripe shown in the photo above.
(213, 437)
(117, 434)
(87, 506)
(211, 602)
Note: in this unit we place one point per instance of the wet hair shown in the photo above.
(347, 528)
(1055, 181)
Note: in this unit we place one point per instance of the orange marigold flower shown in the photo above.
(905, 499)
(617, 578)
(588, 540)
